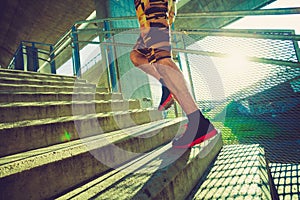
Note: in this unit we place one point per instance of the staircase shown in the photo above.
(63, 138)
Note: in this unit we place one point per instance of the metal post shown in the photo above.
(34, 54)
(111, 61)
(19, 58)
(180, 66)
(116, 65)
(75, 53)
(52, 61)
(189, 70)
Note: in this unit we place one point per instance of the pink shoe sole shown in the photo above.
(199, 140)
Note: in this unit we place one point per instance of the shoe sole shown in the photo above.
(167, 104)
(198, 140)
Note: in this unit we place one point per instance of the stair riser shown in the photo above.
(27, 138)
(16, 88)
(40, 82)
(15, 114)
(43, 97)
(77, 169)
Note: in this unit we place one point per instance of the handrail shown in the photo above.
(38, 43)
(34, 45)
(207, 53)
(81, 27)
(240, 33)
(242, 13)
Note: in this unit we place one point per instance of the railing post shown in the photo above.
(180, 66)
(75, 53)
(19, 58)
(35, 57)
(189, 69)
(111, 60)
(52, 60)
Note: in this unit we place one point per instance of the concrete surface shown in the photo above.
(45, 172)
(31, 134)
(164, 173)
(239, 172)
(13, 112)
(57, 96)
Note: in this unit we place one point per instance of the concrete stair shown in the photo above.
(21, 75)
(56, 96)
(49, 171)
(11, 112)
(239, 172)
(66, 142)
(163, 173)
(39, 118)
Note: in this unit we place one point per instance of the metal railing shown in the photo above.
(82, 33)
(31, 55)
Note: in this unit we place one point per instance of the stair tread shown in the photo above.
(54, 93)
(85, 85)
(239, 171)
(33, 158)
(40, 80)
(146, 176)
(27, 123)
(2, 71)
(58, 103)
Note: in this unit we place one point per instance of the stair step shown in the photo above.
(29, 81)
(34, 75)
(239, 172)
(33, 134)
(164, 173)
(48, 88)
(57, 168)
(14, 112)
(55, 96)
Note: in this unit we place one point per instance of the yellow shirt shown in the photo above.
(171, 14)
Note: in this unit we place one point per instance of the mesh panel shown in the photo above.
(262, 98)
(262, 48)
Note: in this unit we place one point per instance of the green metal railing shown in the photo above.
(82, 33)
(70, 44)
(31, 55)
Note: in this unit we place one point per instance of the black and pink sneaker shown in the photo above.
(195, 133)
(167, 98)
(166, 102)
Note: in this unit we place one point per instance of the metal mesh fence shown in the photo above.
(262, 99)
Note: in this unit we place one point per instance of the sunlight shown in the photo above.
(236, 61)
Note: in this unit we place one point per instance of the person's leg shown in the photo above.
(175, 81)
(141, 61)
(158, 39)
(199, 128)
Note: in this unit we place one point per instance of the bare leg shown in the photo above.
(141, 62)
(175, 81)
